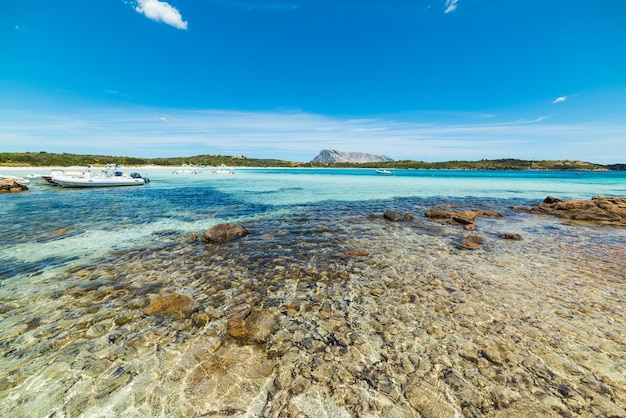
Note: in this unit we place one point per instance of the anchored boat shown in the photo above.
(110, 176)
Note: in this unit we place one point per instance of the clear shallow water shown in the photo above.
(415, 327)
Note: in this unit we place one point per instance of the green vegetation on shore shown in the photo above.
(45, 159)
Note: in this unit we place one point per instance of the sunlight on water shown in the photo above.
(110, 307)
(299, 186)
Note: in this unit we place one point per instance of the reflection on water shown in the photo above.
(322, 310)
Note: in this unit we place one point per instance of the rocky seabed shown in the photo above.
(343, 317)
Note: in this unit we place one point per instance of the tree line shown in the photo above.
(46, 159)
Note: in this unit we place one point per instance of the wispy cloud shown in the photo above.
(559, 99)
(161, 11)
(451, 5)
(299, 136)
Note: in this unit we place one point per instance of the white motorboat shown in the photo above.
(383, 171)
(224, 169)
(56, 173)
(110, 176)
(188, 169)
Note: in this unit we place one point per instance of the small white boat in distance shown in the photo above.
(110, 176)
(383, 171)
(224, 169)
(188, 169)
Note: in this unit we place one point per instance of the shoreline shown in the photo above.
(169, 167)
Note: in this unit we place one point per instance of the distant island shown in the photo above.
(334, 156)
(327, 158)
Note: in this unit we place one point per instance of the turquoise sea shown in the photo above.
(348, 314)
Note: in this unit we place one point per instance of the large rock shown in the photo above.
(467, 218)
(11, 185)
(224, 232)
(598, 210)
(252, 325)
(173, 306)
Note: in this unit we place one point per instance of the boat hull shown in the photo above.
(95, 182)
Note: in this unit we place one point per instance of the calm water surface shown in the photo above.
(358, 316)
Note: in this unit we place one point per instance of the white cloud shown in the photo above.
(559, 99)
(160, 11)
(451, 5)
(299, 136)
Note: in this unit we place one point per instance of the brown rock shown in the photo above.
(357, 253)
(599, 210)
(224, 232)
(551, 199)
(175, 306)
(392, 216)
(245, 323)
(236, 323)
(469, 245)
(475, 239)
(461, 218)
(511, 236)
(10, 185)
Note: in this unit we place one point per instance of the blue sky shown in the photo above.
(429, 80)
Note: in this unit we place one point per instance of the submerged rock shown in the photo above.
(224, 232)
(393, 216)
(175, 306)
(357, 253)
(467, 218)
(511, 236)
(471, 242)
(247, 324)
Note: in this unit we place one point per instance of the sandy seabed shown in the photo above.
(346, 317)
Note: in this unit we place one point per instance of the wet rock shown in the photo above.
(252, 325)
(230, 381)
(511, 236)
(428, 401)
(236, 323)
(551, 199)
(469, 245)
(599, 210)
(10, 185)
(449, 216)
(392, 216)
(224, 232)
(471, 242)
(492, 355)
(357, 253)
(175, 306)
(466, 219)
(475, 239)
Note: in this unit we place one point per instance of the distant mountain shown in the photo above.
(334, 156)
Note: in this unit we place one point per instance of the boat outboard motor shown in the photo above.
(138, 176)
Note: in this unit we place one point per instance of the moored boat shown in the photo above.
(188, 169)
(383, 171)
(224, 169)
(110, 176)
